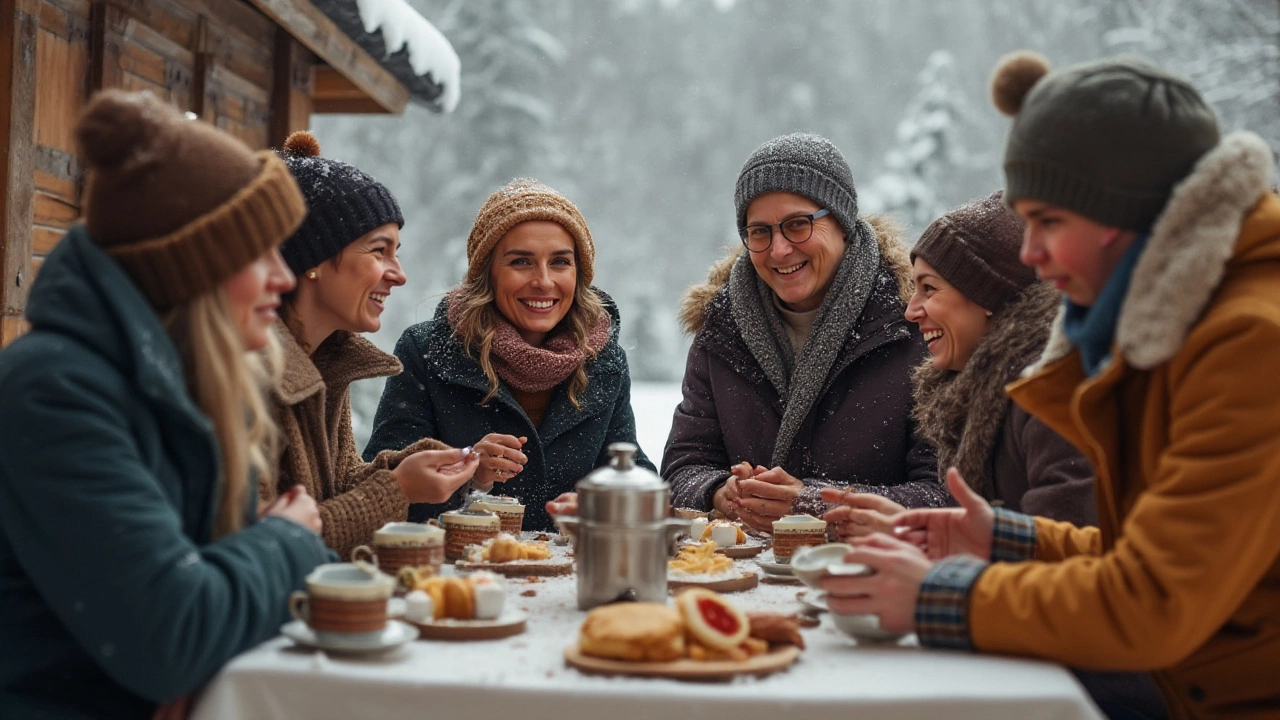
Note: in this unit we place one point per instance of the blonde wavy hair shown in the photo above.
(229, 385)
(479, 317)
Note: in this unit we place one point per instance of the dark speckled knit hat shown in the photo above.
(343, 204)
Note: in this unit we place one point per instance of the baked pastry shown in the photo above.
(506, 548)
(712, 620)
(637, 632)
(775, 628)
(699, 561)
(747, 650)
(451, 597)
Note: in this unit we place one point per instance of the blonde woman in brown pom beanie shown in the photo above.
(521, 360)
(132, 423)
(345, 255)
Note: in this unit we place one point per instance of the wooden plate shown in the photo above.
(745, 550)
(520, 568)
(776, 659)
(512, 622)
(746, 581)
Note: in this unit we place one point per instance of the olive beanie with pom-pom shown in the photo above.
(1107, 139)
(178, 203)
(343, 204)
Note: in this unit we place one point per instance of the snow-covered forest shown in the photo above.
(642, 111)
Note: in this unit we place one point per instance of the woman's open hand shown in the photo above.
(941, 532)
(432, 476)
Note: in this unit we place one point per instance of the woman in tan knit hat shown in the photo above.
(345, 257)
(521, 360)
(132, 424)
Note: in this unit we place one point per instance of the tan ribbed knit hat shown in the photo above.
(521, 200)
(178, 203)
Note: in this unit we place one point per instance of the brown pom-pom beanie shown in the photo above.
(521, 200)
(1107, 139)
(179, 204)
(975, 248)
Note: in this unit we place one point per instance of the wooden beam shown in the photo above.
(106, 23)
(291, 88)
(334, 93)
(19, 27)
(319, 34)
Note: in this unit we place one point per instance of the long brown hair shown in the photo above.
(479, 317)
(229, 385)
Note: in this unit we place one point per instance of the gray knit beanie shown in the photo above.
(975, 248)
(803, 164)
(1107, 139)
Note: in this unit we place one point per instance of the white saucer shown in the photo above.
(772, 567)
(396, 634)
(815, 600)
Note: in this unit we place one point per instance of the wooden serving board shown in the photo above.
(512, 622)
(521, 568)
(746, 581)
(779, 658)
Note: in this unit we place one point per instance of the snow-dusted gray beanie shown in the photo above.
(1107, 139)
(803, 164)
(343, 204)
(975, 248)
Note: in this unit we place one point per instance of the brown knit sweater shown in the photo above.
(534, 404)
(313, 407)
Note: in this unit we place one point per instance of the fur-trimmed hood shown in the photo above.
(889, 238)
(962, 413)
(1190, 248)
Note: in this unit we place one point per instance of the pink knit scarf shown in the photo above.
(534, 369)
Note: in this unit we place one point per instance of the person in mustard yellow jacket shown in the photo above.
(1164, 369)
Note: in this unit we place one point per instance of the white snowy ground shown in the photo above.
(653, 403)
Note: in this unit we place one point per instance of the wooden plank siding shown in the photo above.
(246, 66)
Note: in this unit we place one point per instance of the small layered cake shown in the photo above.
(793, 531)
(405, 544)
(467, 528)
(508, 509)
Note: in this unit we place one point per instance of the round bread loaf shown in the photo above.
(637, 632)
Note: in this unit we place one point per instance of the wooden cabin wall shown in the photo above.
(221, 59)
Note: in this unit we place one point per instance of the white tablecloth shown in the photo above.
(524, 678)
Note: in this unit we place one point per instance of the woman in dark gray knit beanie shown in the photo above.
(799, 374)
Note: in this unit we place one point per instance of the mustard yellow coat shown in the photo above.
(1182, 576)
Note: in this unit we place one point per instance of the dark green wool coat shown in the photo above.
(113, 598)
(438, 395)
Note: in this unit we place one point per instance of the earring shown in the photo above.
(988, 312)
(311, 274)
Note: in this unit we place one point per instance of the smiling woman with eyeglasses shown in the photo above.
(800, 372)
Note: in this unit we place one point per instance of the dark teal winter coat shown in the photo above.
(113, 597)
(438, 395)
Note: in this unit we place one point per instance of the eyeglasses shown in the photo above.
(797, 229)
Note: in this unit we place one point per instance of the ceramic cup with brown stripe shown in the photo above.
(344, 601)
(509, 510)
(461, 529)
(793, 531)
(403, 544)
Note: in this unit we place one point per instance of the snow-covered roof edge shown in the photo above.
(403, 42)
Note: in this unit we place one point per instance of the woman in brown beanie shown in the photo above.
(521, 360)
(345, 257)
(985, 318)
(132, 560)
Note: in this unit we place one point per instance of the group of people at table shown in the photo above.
(1049, 426)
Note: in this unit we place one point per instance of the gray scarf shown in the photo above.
(798, 380)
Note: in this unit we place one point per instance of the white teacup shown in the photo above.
(814, 562)
(403, 544)
(344, 601)
(864, 628)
